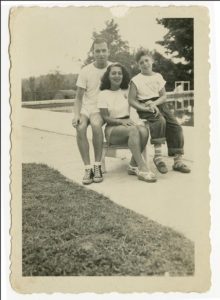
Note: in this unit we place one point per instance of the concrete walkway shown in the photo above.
(49, 138)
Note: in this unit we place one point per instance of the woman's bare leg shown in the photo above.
(130, 135)
(144, 135)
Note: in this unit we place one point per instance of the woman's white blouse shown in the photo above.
(115, 101)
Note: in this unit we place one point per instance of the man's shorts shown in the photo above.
(88, 110)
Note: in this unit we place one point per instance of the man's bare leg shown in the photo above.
(144, 135)
(82, 140)
(96, 122)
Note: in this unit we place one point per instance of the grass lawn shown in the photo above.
(69, 230)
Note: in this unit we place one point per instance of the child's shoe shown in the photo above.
(181, 167)
(161, 166)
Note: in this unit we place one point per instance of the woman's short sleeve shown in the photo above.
(102, 103)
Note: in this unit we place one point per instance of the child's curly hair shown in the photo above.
(143, 52)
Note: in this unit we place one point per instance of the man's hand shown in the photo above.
(76, 121)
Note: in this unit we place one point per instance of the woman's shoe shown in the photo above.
(147, 176)
(132, 170)
(161, 166)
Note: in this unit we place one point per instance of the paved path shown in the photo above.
(170, 201)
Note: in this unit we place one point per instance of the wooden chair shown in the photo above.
(111, 151)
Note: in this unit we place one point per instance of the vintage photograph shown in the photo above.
(109, 178)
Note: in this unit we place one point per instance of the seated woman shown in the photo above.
(120, 129)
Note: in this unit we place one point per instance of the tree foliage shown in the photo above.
(179, 42)
(179, 39)
(48, 86)
(118, 48)
(171, 71)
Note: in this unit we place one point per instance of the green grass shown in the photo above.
(69, 230)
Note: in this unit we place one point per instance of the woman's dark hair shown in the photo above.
(105, 82)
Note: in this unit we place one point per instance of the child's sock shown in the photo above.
(177, 159)
(97, 163)
(158, 160)
(157, 152)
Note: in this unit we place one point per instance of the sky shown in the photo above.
(50, 39)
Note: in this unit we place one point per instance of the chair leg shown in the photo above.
(104, 151)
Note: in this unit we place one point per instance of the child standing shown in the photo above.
(147, 95)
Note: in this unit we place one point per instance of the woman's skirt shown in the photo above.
(108, 130)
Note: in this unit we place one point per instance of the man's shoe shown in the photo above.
(132, 170)
(88, 176)
(97, 174)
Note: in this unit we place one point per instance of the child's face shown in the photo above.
(145, 63)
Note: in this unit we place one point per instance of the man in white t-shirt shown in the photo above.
(87, 112)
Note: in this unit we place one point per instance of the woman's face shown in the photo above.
(115, 76)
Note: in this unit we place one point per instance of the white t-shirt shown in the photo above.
(90, 79)
(148, 86)
(115, 101)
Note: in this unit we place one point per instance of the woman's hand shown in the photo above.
(127, 122)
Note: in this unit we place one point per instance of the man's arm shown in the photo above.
(78, 105)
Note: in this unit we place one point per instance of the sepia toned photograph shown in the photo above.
(110, 141)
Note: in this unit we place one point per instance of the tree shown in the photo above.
(179, 43)
(118, 48)
(179, 39)
(171, 71)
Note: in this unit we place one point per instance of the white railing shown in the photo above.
(180, 100)
(47, 102)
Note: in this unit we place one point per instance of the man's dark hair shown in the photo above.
(99, 40)
(105, 82)
(143, 52)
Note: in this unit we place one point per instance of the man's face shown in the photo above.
(101, 53)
